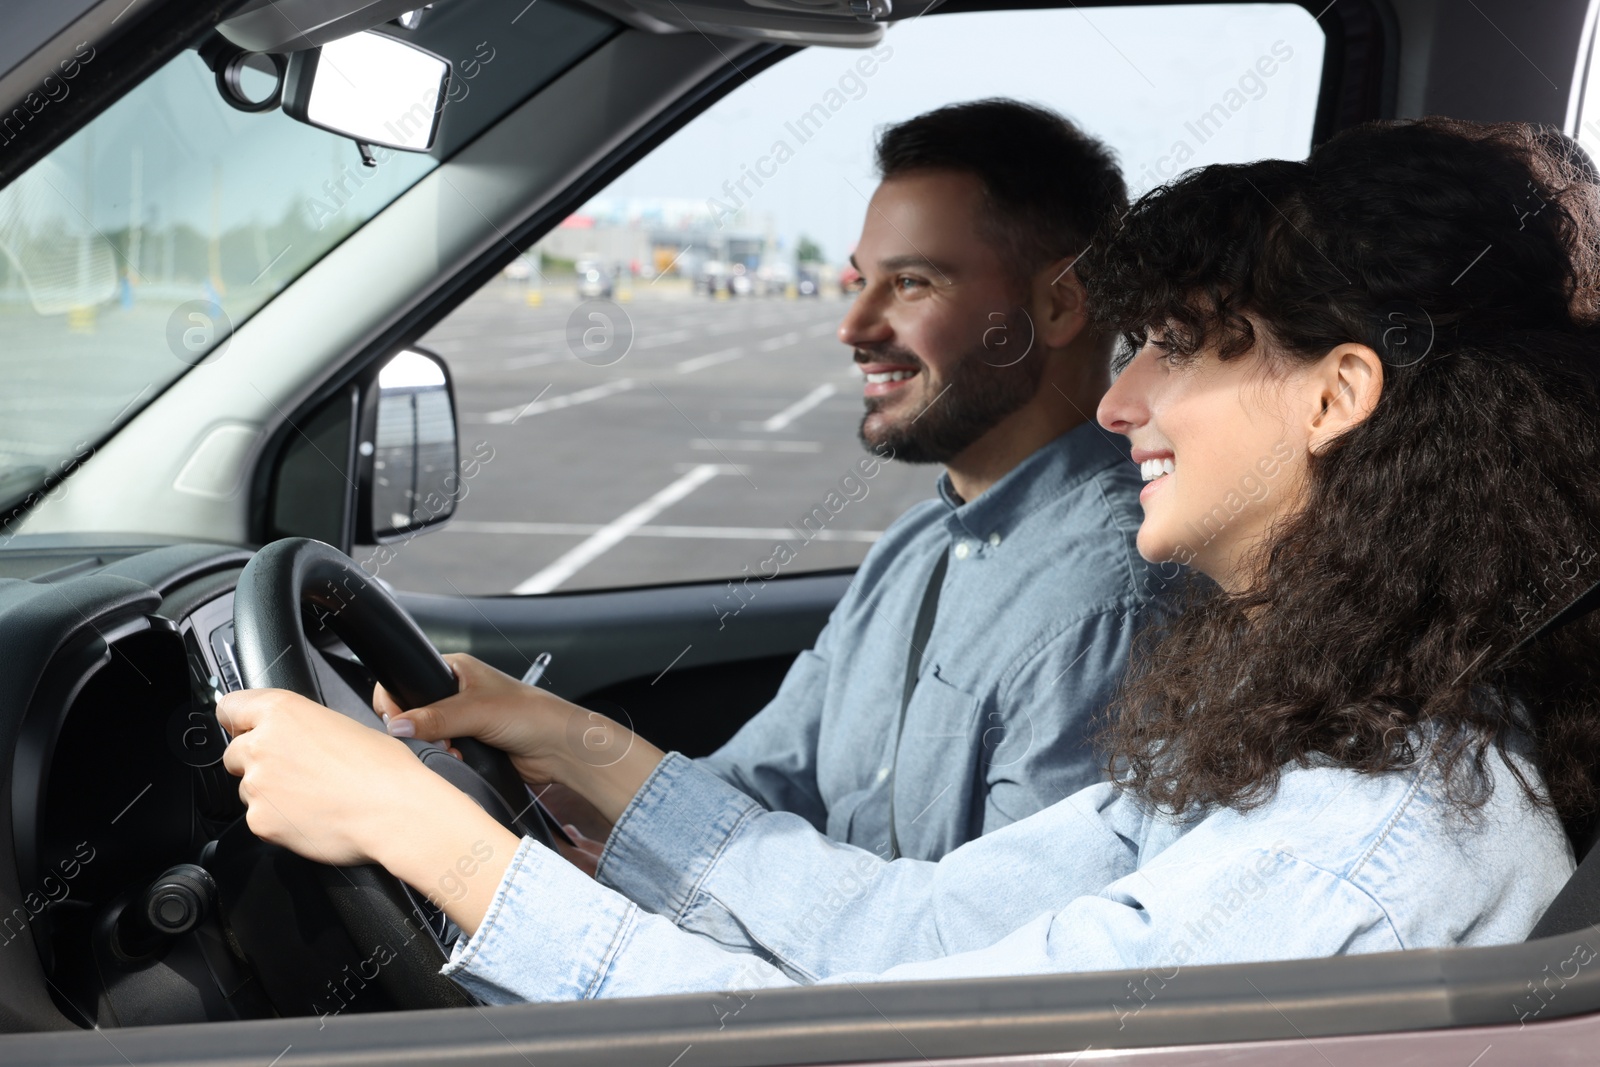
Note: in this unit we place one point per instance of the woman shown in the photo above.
(1361, 394)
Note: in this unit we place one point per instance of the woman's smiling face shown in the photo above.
(1220, 446)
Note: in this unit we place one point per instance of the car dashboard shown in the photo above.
(115, 659)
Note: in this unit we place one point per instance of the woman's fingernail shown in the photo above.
(401, 728)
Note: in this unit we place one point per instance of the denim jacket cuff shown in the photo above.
(671, 835)
(550, 933)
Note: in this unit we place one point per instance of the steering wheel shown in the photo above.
(390, 933)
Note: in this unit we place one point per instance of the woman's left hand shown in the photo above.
(317, 782)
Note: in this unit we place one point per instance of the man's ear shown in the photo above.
(1343, 389)
(1060, 304)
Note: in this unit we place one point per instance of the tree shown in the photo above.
(809, 251)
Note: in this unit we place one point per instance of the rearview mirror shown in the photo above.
(407, 450)
(371, 88)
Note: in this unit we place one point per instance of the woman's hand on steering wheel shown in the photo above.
(547, 738)
(315, 781)
(337, 792)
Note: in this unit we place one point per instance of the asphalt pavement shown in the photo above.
(658, 437)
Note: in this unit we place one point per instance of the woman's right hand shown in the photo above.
(547, 738)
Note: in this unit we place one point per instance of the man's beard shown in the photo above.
(986, 385)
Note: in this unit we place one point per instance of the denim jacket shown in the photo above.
(1039, 604)
(726, 895)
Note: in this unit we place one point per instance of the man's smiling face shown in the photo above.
(937, 324)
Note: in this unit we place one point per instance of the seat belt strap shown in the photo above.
(919, 640)
(1586, 602)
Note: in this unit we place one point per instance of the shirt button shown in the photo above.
(963, 550)
(883, 772)
(994, 540)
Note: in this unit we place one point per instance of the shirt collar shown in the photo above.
(1042, 478)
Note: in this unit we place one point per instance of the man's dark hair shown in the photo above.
(1048, 186)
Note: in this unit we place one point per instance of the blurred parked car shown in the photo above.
(774, 279)
(594, 281)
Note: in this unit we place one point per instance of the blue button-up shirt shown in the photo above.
(1039, 603)
(706, 890)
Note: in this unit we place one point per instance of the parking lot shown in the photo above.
(691, 437)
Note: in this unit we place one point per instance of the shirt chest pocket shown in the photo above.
(935, 769)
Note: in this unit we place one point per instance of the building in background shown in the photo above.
(671, 239)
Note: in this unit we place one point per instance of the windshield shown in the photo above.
(129, 254)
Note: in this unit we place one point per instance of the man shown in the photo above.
(955, 687)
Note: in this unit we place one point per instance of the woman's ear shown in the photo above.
(1060, 304)
(1344, 388)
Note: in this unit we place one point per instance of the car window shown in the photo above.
(656, 391)
(129, 253)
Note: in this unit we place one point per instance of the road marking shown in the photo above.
(822, 329)
(540, 359)
(612, 533)
(689, 366)
(772, 344)
(498, 338)
(783, 418)
(656, 341)
(555, 403)
(755, 445)
(691, 533)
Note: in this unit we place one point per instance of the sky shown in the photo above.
(1139, 78)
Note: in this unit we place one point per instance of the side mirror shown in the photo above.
(370, 87)
(406, 450)
(373, 462)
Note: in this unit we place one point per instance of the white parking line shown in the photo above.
(708, 533)
(705, 444)
(538, 359)
(659, 339)
(462, 343)
(772, 344)
(689, 366)
(783, 418)
(822, 329)
(555, 403)
(612, 533)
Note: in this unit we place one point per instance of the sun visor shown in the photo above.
(294, 25)
(836, 23)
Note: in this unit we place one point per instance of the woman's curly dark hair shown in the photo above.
(1437, 534)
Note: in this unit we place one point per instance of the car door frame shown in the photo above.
(1522, 992)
